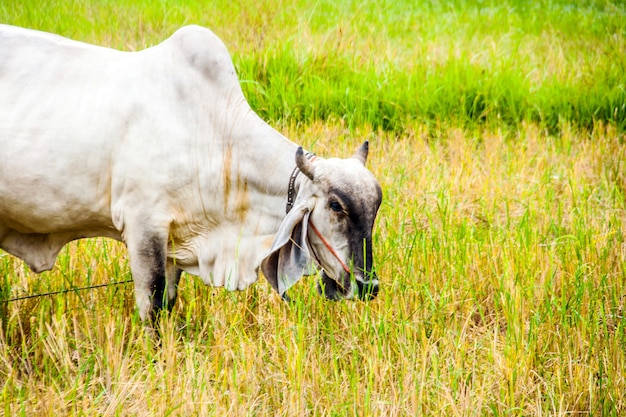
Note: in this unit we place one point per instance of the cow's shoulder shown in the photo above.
(199, 48)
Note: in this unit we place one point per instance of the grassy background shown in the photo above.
(389, 63)
(497, 133)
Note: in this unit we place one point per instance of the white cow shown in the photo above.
(159, 149)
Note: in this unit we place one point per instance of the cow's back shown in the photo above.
(82, 125)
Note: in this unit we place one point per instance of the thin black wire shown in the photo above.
(91, 287)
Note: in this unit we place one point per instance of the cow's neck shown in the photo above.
(274, 164)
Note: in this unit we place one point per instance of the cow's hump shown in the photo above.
(202, 50)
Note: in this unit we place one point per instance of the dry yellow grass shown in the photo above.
(502, 262)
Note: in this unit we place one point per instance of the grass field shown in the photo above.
(497, 131)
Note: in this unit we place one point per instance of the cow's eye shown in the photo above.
(336, 207)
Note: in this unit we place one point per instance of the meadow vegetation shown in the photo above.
(497, 132)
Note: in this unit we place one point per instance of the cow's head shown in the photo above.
(330, 225)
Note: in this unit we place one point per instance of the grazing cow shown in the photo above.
(159, 149)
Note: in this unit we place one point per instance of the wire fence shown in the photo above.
(90, 287)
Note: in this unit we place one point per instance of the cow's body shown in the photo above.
(156, 148)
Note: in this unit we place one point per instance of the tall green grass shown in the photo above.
(390, 63)
(497, 133)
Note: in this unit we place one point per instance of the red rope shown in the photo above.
(330, 248)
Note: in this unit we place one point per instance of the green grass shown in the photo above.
(389, 63)
(497, 133)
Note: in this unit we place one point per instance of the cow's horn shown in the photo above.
(361, 153)
(304, 164)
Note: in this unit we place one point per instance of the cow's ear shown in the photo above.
(289, 257)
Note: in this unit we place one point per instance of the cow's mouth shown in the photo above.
(332, 290)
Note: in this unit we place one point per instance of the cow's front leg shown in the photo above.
(172, 276)
(148, 260)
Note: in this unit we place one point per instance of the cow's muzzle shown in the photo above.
(368, 291)
(356, 289)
